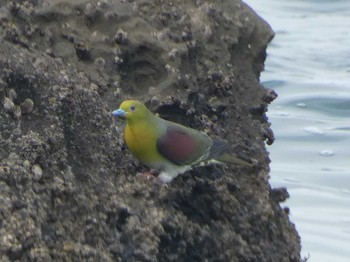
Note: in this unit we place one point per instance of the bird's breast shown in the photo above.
(141, 141)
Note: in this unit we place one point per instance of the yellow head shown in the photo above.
(132, 110)
(141, 132)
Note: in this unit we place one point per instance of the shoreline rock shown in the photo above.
(68, 185)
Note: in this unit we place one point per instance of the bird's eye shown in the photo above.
(132, 108)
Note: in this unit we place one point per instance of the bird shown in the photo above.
(168, 147)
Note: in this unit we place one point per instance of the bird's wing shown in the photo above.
(184, 146)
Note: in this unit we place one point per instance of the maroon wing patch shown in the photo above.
(176, 145)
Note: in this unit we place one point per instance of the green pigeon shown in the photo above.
(169, 147)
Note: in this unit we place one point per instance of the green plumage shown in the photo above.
(167, 146)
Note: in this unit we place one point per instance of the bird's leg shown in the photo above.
(149, 174)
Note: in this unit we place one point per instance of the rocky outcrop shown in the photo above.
(69, 189)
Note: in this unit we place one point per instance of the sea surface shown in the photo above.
(308, 65)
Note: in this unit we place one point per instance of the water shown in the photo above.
(308, 65)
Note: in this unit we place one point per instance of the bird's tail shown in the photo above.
(230, 159)
(220, 152)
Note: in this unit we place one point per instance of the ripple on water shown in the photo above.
(301, 105)
(282, 113)
(273, 83)
(331, 105)
(314, 130)
(327, 153)
(342, 128)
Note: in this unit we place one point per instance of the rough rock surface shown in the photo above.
(68, 186)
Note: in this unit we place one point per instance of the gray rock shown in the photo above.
(27, 106)
(8, 105)
(197, 63)
(37, 172)
(11, 93)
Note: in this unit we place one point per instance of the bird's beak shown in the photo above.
(119, 113)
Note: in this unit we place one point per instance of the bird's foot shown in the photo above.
(164, 178)
(149, 174)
